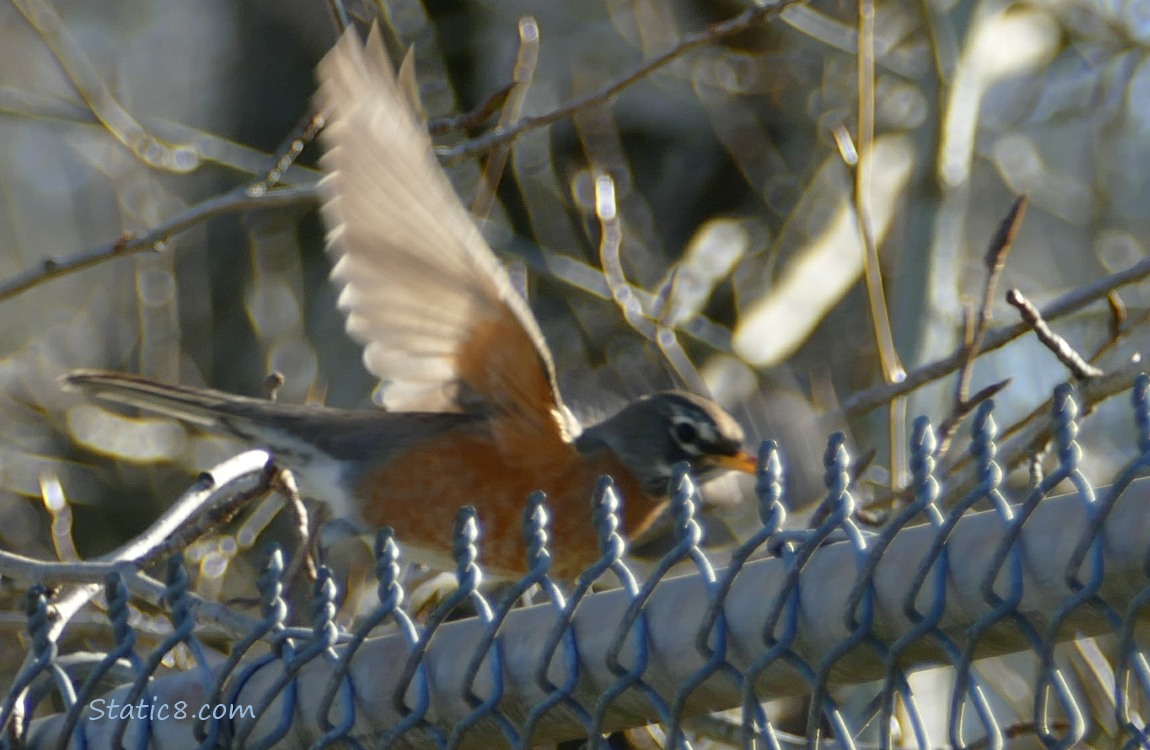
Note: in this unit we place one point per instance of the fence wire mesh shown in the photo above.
(841, 615)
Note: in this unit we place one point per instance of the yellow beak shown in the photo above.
(741, 461)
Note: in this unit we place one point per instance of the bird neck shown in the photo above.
(607, 444)
(639, 503)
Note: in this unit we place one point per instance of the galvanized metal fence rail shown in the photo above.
(805, 613)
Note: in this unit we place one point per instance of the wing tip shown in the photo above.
(88, 379)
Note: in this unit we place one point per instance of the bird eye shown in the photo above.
(686, 433)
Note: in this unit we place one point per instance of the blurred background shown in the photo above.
(735, 191)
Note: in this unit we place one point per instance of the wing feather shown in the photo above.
(442, 325)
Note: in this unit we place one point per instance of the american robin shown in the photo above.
(473, 413)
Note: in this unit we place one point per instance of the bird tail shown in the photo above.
(203, 407)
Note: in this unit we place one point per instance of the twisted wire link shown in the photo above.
(124, 637)
(43, 659)
(772, 514)
(605, 518)
(684, 498)
(272, 625)
(536, 522)
(842, 508)
(860, 623)
(391, 596)
(1005, 608)
(688, 536)
(176, 597)
(633, 627)
(983, 448)
(468, 576)
(490, 647)
(926, 490)
(273, 609)
(711, 639)
(796, 551)
(323, 639)
(1091, 542)
(535, 525)
(1050, 678)
(1130, 657)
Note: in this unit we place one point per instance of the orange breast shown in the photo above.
(419, 493)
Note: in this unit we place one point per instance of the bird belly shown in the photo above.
(419, 494)
(325, 479)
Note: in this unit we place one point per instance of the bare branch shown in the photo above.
(1117, 314)
(144, 145)
(1028, 436)
(973, 335)
(304, 132)
(240, 470)
(709, 35)
(243, 476)
(963, 408)
(237, 201)
(1071, 302)
(996, 253)
(1058, 346)
(526, 61)
(474, 118)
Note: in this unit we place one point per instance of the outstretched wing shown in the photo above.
(442, 326)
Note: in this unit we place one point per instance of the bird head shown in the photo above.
(654, 433)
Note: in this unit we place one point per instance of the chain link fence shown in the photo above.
(972, 616)
(841, 615)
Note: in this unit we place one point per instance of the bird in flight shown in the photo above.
(472, 412)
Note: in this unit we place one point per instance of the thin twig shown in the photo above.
(973, 336)
(304, 132)
(960, 411)
(893, 370)
(241, 470)
(996, 253)
(633, 312)
(271, 385)
(872, 271)
(1120, 325)
(60, 510)
(144, 145)
(215, 516)
(473, 118)
(242, 476)
(1071, 302)
(23, 568)
(1117, 314)
(526, 61)
(212, 148)
(236, 201)
(1030, 434)
(709, 35)
(610, 241)
(1020, 729)
(566, 270)
(1025, 438)
(1058, 346)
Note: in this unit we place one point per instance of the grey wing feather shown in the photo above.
(417, 276)
(349, 435)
